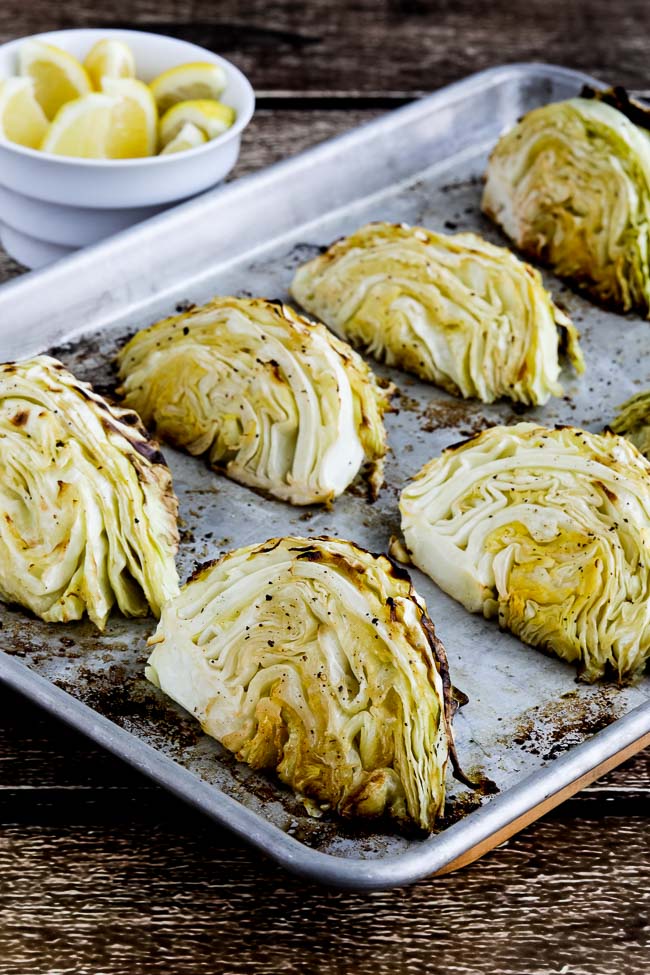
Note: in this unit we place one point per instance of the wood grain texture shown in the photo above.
(374, 46)
(565, 898)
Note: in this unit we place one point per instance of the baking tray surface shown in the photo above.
(529, 725)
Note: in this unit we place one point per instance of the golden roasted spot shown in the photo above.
(570, 185)
(607, 492)
(315, 659)
(271, 399)
(453, 309)
(92, 522)
(547, 530)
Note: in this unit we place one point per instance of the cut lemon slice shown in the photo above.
(58, 77)
(187, 82)
(82, 127)
(109, 59)
(211, 116)
(22, 119)
(134, 128)
(189, 137)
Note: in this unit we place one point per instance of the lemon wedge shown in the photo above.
(82, 127)
(22, 119)
(211, 116)
(189, 137)
(134, 126)
(109, 59)
(58, 77)
(187, 82)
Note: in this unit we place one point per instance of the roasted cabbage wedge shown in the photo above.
(633, 421)
(453, 309)
(88, 510)
(275, 401)
(570, 185)
(317, 660)
(548, 530)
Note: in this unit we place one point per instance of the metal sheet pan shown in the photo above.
(529, 725)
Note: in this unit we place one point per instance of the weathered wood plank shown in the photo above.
(278, 134)
(372, 47)
(561, 898)
(8, 267)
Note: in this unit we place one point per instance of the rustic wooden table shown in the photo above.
(103, 873)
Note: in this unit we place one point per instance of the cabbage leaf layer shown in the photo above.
(548, 530)
(88, 510)
(275, 401)
(453, 309)
(570, 185)
(317, 660)
(633, 421)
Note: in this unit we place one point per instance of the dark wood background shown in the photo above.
(100, 872)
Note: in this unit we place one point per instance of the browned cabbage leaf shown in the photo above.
(317, 660)
(451, 308)
(88, 510)
(274, 400)
(570, 184)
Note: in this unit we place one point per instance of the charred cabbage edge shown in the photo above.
(570, 185)
(315, 659)
(453, 309)
(547, 530)
(89, 514)
(274, 401)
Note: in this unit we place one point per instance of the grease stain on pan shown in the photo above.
(552, 729)
(123, 695)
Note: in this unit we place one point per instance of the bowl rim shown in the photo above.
(211, 145)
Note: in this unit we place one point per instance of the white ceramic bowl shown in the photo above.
(51, 205)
